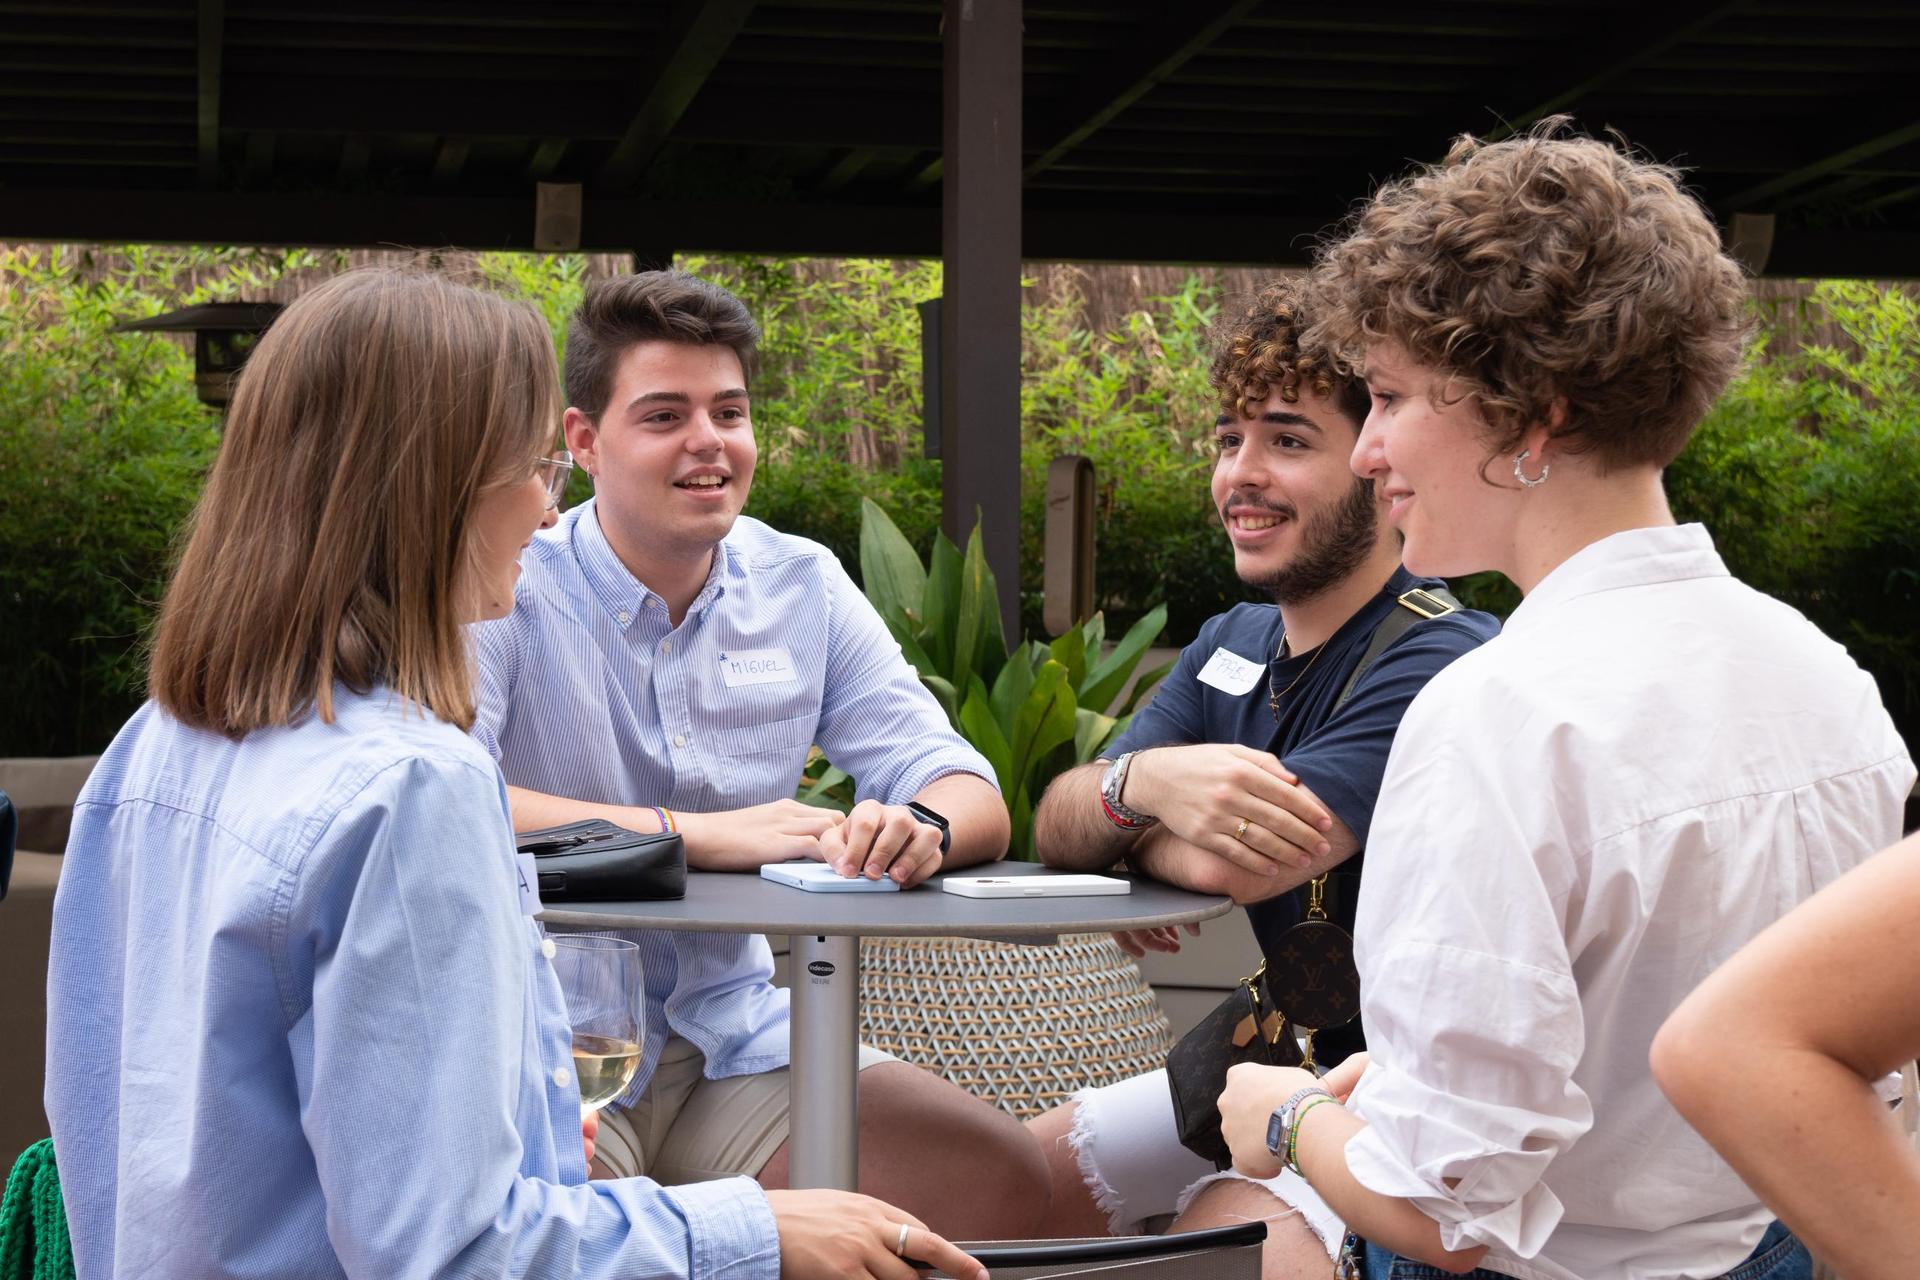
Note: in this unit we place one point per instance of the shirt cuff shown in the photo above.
(731, 1226)
(1519, 1228)
(910, 784)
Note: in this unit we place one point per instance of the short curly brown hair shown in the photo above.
(1540, 267)
(1261, 350)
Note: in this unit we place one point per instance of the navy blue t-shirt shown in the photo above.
(1340, 757)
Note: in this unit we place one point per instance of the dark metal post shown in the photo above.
(980, 325)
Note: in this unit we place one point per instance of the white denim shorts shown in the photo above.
(1128, 1147)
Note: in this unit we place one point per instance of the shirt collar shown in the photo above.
(1366, 618)
(614, 585)
(1633, 558)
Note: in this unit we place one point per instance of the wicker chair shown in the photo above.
(1021, 1026)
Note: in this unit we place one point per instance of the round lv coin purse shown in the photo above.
(1313, 980)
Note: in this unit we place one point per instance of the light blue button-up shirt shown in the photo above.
(299, 1027)
(587, 690)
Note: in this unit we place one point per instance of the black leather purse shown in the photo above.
(595, 861)
(1245, 1027)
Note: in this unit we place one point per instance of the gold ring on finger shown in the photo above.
(1240, 832)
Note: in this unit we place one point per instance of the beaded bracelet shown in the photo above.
(1293, 1134)
(666, 818)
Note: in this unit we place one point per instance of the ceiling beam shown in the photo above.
(697, 38)
(546, 158)
(1054, 234)
(1631, 41)
(616, 224)
(450, 159)
(355, 152)
(1122, 80)
(927, 174)
(211, 45)
(1833, 162)
(1634, 36)
(748, 115)
(1898, 196)
(1828, 195)
(847, 168)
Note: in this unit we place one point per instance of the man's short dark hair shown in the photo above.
(653, 306)
(1260, 352)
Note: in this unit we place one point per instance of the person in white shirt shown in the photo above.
(1791, 1037)
(1584, 817)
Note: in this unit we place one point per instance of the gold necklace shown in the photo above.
(1273, 695)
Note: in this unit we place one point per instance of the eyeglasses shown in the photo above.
(555, 472)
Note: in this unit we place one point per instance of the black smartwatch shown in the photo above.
(932, 819)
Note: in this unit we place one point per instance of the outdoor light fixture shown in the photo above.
(224, 334)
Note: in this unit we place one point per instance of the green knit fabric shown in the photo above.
(33, 1221)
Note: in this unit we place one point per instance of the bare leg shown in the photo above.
(1074, 1212)
(966, 1169)
(1292, 1251)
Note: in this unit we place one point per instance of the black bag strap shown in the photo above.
(1416, 607)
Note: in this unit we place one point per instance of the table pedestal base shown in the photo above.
(823, 1097)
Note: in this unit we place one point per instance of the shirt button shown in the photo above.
(561, 1076)
(624, 617)
(666, 646)
(679, 739)
(547, 948)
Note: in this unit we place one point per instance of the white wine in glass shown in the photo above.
(604, 1066)
(600, 978)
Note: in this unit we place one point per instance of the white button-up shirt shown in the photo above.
(1579, 821)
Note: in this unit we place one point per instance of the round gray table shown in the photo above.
(824, 930)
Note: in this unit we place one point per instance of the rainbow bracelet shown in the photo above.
(666, 818)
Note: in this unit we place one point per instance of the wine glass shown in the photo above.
(600, 978)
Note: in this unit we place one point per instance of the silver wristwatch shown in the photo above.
(1280, 1124)
(1111, 785)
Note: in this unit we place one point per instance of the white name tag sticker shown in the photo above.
(756, 666)
(529, 875)
(1228, 672)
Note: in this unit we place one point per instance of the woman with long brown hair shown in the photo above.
(299, 1023)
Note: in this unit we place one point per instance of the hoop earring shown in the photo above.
(1527, 482)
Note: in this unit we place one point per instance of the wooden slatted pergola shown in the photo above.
(1124, 130)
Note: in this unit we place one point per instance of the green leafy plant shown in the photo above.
(103, 449)
(1033, 709)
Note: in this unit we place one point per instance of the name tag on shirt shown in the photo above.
(1231, 673)
(529, 884)
(756, 666)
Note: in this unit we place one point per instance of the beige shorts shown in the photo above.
(687, 1128)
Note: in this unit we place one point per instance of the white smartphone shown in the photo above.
(818, 877)
(1060, 886)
